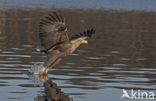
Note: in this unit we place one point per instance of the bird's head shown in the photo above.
(81, 38)
(84, 41)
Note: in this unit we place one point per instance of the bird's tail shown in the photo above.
(41, 49)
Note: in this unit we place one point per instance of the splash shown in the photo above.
(36, 68)
(35, 76)
(36, 80)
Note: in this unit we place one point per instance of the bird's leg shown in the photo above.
(56, 62)
(44, 71)
(48, 64)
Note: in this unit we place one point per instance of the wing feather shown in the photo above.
(52, 30)
(85, 34)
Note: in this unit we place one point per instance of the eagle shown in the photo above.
(55, 41)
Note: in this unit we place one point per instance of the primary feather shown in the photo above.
(52, 30)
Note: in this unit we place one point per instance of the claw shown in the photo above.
(44, 71)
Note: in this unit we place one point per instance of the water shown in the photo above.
(121, 55)
(35, 69)
(79, 4)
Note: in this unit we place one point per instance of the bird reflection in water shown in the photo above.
(51, 90)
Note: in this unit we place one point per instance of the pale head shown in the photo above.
(81, 40)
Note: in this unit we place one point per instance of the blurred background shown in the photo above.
(121, 55)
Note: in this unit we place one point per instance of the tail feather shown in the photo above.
(41, 49)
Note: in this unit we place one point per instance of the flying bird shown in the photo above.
(55, 41)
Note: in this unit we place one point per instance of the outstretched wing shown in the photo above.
(52, 30)
(85, 34)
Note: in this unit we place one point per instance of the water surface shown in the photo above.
(143, 5)
(120, 56)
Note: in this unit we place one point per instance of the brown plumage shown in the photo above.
(55, 41)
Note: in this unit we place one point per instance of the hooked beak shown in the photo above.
(85, 41)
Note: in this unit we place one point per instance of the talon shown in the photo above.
(43, 77)
(44, 71)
